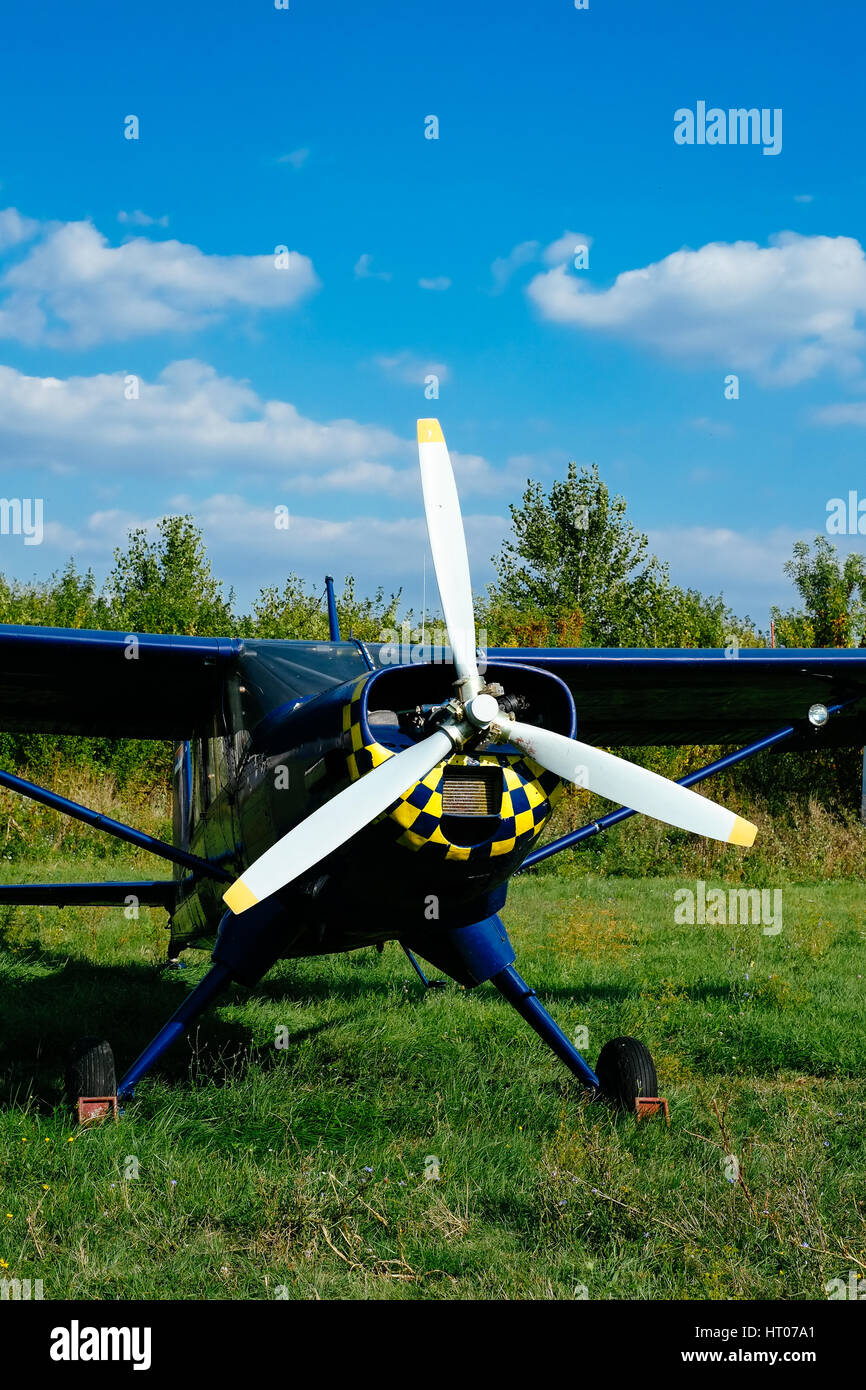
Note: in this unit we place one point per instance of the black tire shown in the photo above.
(91, 1070)
(626, 1071)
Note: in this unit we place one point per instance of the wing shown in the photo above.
(128, 685)
(625, 696)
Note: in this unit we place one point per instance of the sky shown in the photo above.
(240, 311)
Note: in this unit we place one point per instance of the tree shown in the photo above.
(833, 591)
(166, 584)
(576, 572)
(297, 611)
(66, 599)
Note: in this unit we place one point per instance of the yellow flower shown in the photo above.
(71, 1139)
(45, 1187)
(8, 1216)
(4, 1264)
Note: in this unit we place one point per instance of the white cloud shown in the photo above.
(364, 271)
(786, 311)
(297, 158)
(15, 229)
(558, 252)
(562, 250)
(407, 367)
(437, 283)
(142, 219)
(804, 198)
(381, 550)
(248, 551)
(74, 288)
(473, 473)
(746, 567)
(189, 417)
(705, 425)
(846, 413)
(360, 476)
(192, 422)
(95, 538)
(504, 267)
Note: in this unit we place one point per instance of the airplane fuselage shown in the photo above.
(273, 751)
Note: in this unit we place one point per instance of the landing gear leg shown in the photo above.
(524, 999)
(626, 1073)
(214, 982)
(244, 952)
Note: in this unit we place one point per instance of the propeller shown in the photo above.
(448, 548)
(337, 821)
(633, 786)
(475, 711)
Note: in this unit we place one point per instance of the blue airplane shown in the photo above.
(332, 795)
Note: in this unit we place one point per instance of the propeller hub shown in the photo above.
(481, 710)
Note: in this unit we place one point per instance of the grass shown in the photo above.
(299, 1171)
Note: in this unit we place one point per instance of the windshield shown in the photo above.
(273, 673)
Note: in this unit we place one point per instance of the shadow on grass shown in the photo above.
(68, 998)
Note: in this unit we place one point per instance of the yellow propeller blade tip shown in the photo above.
(238, 898)
(430, 432)
(742, 832)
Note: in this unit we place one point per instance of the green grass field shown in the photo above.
(299, 1172)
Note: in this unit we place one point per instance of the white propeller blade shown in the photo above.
(632, 786)
(336, 822)
(448, 548)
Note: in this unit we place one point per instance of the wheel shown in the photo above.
(626, 1070)
(91, 1070)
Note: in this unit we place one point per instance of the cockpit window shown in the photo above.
(272, 673)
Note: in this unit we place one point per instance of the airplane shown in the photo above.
(330, 796)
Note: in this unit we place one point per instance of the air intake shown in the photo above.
(471, 790)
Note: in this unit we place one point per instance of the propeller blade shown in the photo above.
(336, 822)
(448, 548)
(632, 786)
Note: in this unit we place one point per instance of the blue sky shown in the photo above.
(300, 386)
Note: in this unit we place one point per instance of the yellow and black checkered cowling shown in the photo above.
(529, 794)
